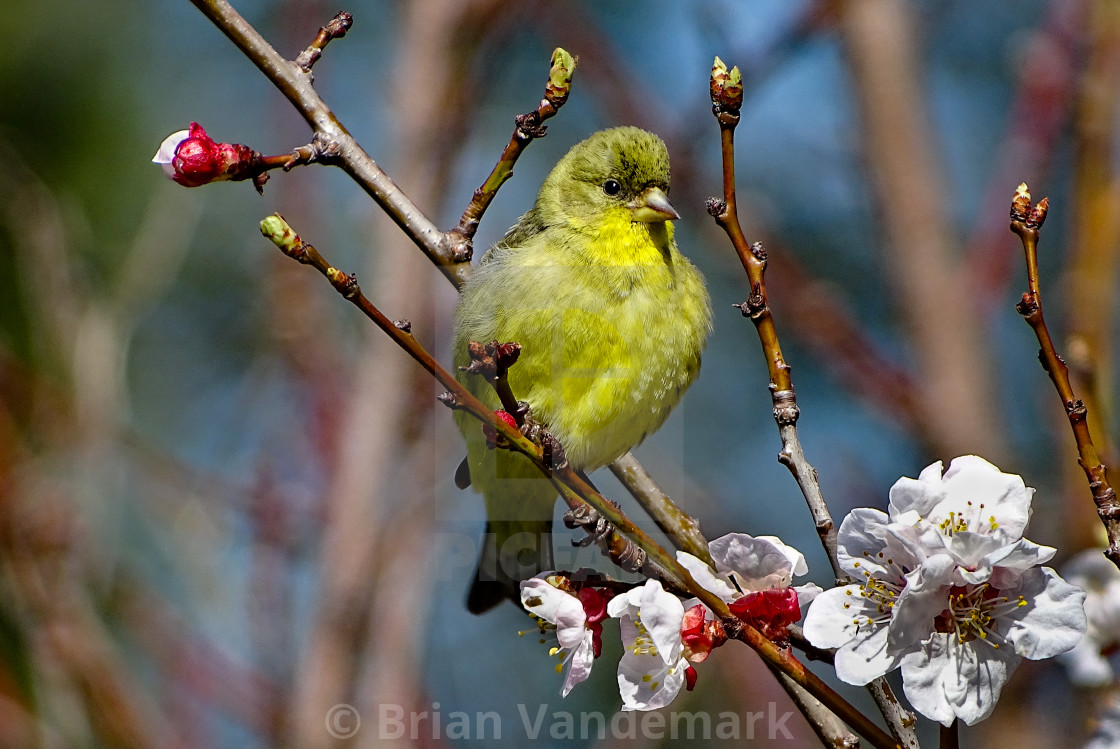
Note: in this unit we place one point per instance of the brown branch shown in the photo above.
(529, 126)
(678, 525)
(1026, 222)
(727, 99)
(295, 84)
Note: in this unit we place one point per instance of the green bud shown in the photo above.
(560, 76)
(277, 230)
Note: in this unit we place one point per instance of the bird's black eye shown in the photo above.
(611, 187)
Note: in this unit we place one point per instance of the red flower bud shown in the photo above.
(192, 158)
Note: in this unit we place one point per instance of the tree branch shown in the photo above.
(1026, 222)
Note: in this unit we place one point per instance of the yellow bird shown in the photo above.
(611, 319)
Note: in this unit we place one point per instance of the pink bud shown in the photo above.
(192, 158)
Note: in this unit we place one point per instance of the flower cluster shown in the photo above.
(663, 636)
(948, 589)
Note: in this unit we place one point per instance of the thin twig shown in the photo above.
(727, 93)
(336, 28)
(529, 126)
(682, 528)
(727, 99)
(1026, 222)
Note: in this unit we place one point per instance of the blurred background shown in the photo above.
(226, 502)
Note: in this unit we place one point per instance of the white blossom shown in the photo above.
(564, 614)
(654, 667)
(948, 589)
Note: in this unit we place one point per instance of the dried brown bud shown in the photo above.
(482, 359)
(1038, 214)
(505, 355)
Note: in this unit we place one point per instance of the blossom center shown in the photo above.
(881, 593)
(972, 520)
(973, 613)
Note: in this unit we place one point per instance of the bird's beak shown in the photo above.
(652, 206)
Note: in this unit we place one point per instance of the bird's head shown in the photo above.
(621, 174)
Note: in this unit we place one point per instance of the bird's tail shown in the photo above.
(512, 551)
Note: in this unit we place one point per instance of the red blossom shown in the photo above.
(770, 611)
(700, 634)
(594, 602)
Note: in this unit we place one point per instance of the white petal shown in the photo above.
(1053, 619)
(831, 623)
(750, 558)
(806, 594)
(923, 598)
(795, 557)
(970, 482)
(166, 152)
(861, 536)
(705, 577)
(579, 664)
(557, 607)
(625, 605)
(910, 495)
(662, 615)
(946, 680)
(865, 658)
(828, 624)
(648, 683)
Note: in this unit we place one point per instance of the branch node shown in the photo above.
(345, 283)
(786, 411)
(405, 325)
(1028, 305)
(717, 207)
